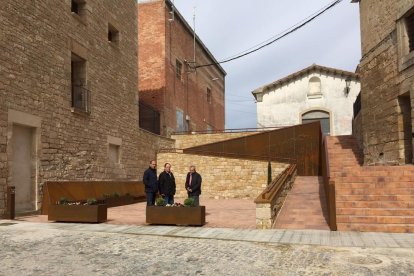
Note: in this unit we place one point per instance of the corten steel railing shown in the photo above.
(274, 189)
(329, 186)
(82, 190)
(300, 143)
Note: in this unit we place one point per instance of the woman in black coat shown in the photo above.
(166, 182)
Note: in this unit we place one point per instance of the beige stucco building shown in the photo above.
(314, 93)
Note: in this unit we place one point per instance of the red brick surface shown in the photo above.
(305, 206)
(370, 198)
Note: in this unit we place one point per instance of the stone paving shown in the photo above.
(104, 249)
(230, 213)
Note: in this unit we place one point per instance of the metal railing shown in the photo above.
(81, 99)
(274, 189)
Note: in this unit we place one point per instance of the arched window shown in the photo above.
(315, 90)
(318, 115)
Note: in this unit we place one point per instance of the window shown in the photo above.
(80, 93)
(180, 120)
(409, 22)
(113, 34)
(178, 69)
(77, 6)
(209, 95)
(315, 90)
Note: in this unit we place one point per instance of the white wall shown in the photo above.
(284, 105)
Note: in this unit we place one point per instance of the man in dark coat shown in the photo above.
(193, 185)
(166, 183)
(151, 183)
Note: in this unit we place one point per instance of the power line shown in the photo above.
(290, 30)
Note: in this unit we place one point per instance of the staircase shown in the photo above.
(369, 198)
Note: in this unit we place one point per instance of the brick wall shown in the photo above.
(222, 177)
(386, 73)
(165, 91)
(35, 83)
(192, 140)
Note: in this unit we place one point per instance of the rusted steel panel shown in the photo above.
(82, 190)
(78, 213)
(176, 215)
(298, 144)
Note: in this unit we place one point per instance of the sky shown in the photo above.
(228, 27)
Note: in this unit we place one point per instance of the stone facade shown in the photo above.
(39, 43)
(222, 177)
(187, 100)
(387, 78)
(184, 141)
(321, 90)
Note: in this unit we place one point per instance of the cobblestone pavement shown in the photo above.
(78, 249)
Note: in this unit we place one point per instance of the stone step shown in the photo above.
(392, 198)
(375, 204)
(375, 212)
(366, 227)
(375, 219)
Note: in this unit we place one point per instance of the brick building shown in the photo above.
(173, 95)
(386, 71)
(68, 96)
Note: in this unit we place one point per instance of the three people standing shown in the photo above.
(165, 185)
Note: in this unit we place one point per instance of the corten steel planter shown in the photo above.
(176, 215)
(78, 213)
(123, 200)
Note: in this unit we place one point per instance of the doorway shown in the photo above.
(23, 168)
(321, 116)
(405, 124)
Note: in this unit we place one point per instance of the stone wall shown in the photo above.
(191, 140)
(357, 129)
(266, 213)
(222, 177)
(37, 43)
(387, 77)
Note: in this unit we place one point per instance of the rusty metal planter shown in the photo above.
(123, 200)
(176, 215)
(78, 213)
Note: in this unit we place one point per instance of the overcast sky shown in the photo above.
(228, 27)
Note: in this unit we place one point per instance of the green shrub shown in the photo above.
(189, 202)
(63, 201)
(115, 194)
(91, 201)
(105, 196)
(160, 201)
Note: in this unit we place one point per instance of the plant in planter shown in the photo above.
(189, 202)
(106, 196)
(160, 201)
(91, 201)
(63, 201)
(115, 195)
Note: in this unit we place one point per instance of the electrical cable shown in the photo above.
(291, 30)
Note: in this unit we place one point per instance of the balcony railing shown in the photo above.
(81, 99)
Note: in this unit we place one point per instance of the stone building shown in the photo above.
(314, 93)
(174, 95)
(386, 70)
(68, 96)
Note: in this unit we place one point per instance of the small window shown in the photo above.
(113, 34)
(77, 6)
(80, 93)
(114, 153)
(178, 69)
(409, 21)
(209, 95)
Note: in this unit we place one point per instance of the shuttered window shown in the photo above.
(410, 31)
